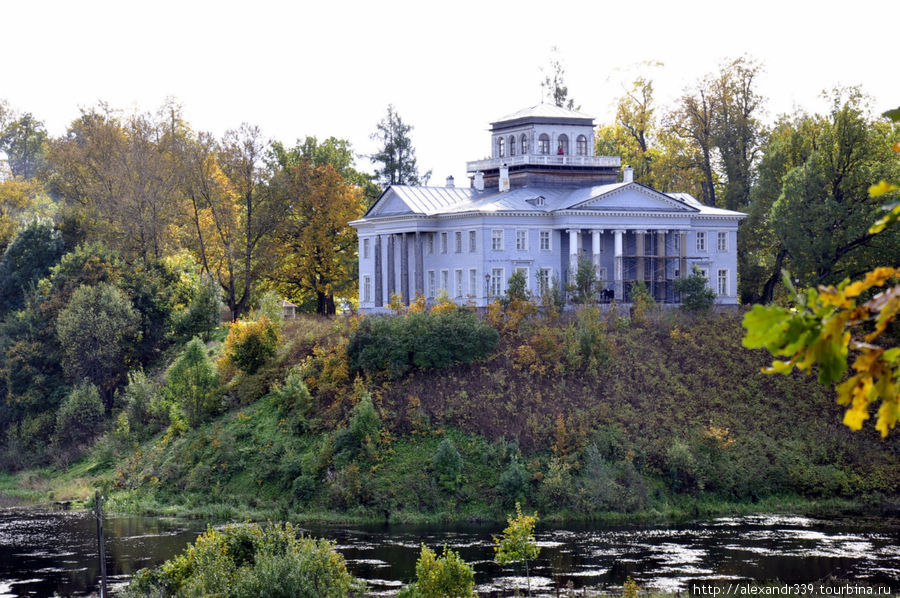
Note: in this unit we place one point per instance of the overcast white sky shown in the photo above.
(331, 68)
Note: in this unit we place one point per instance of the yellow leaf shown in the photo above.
(888, 414)
(897, 146)
(854, 418)
(875, 278)
(882, 188)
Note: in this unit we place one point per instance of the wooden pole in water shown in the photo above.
(98, 511)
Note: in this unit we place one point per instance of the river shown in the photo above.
(42, 553)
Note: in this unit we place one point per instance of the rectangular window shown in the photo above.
(431, 283)
(722, 283)
(365, 249)
(722, 243)
(701, 241)
(429, 243)
(521, 239)
(457, 241)
(544, 275)
(445, 281)
(473, 241)
(497, 240)
(473, 282)
(443, 242)
(705, 273)
(545, 240)
(458, 279)
(677, 240)
(496, 282)
(367, 288)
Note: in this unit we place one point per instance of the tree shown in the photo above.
(80, 417)
(24, 140)
(192, 383)
(635, 113)
(585, 281)
(827, 323)
(447, 576)
(823, 214)
(316, 252)
(97, 331)
(692, 121)
(517, 542)
(553, 87)
(447, 465)
(35, 249)
(396, 156)
(696, 296)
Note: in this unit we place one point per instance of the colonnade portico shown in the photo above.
(406, 288)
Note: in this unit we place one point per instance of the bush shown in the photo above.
(514, 483)
(249, 561)
(144, 408)
(35, 249)
(391, 346)
(447, 576)
(696, 296)
(365, 426)
(80, 417)
(193, 383)
(251, 343)
(293, 398)
(447, 465)
(204, 313)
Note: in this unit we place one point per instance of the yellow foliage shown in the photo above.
(443, 303)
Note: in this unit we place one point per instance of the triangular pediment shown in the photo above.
(631, 197)
(390, 203)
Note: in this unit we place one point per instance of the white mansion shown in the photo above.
(539, 205)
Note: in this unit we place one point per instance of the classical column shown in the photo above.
(595, 246)
(391, 268)
(573, 253)
(639, 252)
(404, 267)
(682, 254)
(379, 274)
(661, 265)
(618, 264)
(420, 265)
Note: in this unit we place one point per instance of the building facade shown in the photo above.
(541, 203)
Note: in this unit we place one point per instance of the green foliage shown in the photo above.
(203, 315)
(293, 398)
(80, 417)
(192, 383)
(447, 576)
(641, 302)
(143, 406)
(97, 331)
(248, 561)
(396, 157)
(251, 343)
(391, 346)
(585, 281)
(696, 296)
(270, 306)
(516, 289)
(517, 544)
(447, 465)
(513, 483)
(36, 247)
(364, 421)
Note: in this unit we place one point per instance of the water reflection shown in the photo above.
(43, 553)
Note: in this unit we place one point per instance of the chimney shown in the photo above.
(479, 181)
(504, 178)
(628, 174)
(450, 181)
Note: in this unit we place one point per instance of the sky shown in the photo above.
(331, 68)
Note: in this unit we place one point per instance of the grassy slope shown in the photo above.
(755, 442)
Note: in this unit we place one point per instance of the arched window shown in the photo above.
(581, 145)
(562, 145)
(512, 145)
(524, 140)
(544, 144)
(501, 144)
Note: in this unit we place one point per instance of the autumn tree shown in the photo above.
(396, 157)
(24, 140)
(553, 86)
(692, 121)
(316, 249)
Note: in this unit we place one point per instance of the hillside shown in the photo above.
(583, 416)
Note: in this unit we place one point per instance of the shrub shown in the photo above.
(447, 576)
(203, 313)
(516, 289)
(270, 306)
(80, 417)
(585, 281)
(251, 343)
(514, 483)
(250, 561)
(293, 397)
(391, 346)
(447, 465)
(144, 409)
(36, 247)
(696, 296)
(193, 383)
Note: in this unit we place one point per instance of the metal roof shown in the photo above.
(544, 111)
